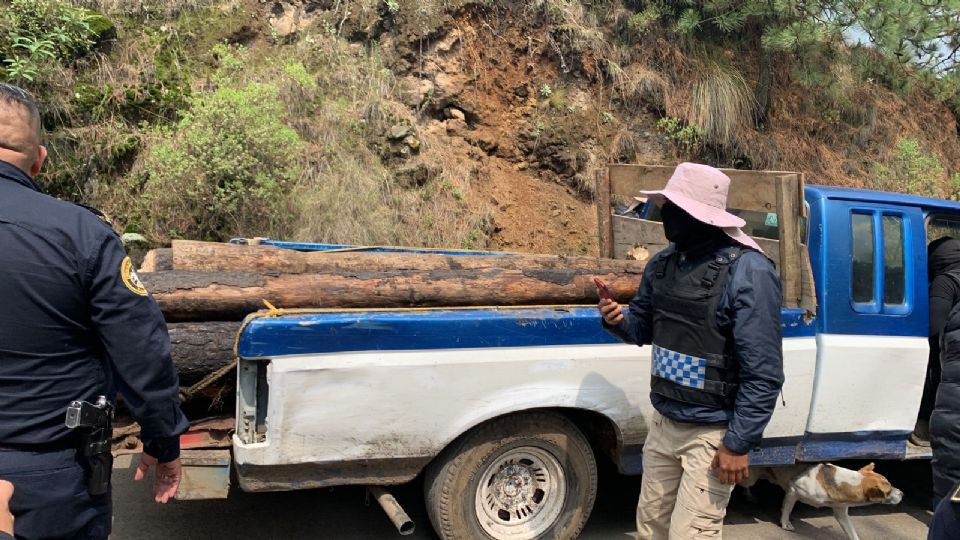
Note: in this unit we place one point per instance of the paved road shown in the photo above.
(340, 514)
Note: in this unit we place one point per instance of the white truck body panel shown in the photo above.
(852, 372)
(344, 406)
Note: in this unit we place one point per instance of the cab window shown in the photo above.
(878, 281)
(863, 258)
(894, 279)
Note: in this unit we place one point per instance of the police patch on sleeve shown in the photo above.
(130, 279)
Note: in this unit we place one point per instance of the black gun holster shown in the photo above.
(94, 424)
(99, 458)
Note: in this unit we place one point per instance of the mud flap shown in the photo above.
(206, 475)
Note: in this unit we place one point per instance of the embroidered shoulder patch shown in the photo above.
(97, 212)
(130, 279)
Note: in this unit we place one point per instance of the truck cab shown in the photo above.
(869, 257)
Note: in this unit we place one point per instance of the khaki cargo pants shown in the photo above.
(680, 499)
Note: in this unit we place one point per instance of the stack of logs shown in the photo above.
(206, 289)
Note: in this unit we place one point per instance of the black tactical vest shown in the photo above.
(692, 358)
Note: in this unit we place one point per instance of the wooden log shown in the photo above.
(199, 349)
(199, 296)
(218, 257)
(157, 260)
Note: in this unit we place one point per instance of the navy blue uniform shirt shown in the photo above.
(75, 323)
(750, 311)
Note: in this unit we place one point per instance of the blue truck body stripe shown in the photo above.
(421, 330)
(811, 447)
(406, 330)
(795, 324)
(776, 451)
(861, 445)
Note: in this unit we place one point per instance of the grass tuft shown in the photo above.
(721, 105)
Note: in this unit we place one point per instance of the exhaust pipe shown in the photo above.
(394, 511)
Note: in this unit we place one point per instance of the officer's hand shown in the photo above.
(167, 478)
(611, 311)
(6, 518)
(729, 467)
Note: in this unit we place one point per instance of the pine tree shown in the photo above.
(921, 34)
(925, 33)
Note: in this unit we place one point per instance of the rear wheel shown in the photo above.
(528, 476)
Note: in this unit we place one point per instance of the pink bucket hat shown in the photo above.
(701, 191)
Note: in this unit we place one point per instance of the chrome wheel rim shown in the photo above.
(521, 494)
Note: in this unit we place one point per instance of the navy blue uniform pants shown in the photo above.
(945, 524)
(50, 499)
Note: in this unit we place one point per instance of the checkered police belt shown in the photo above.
(682, 369)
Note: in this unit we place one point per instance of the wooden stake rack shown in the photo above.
(776, 193)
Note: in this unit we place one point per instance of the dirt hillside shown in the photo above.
(450, 123)
(495, 87)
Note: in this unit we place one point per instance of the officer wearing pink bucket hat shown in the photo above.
(709, 304)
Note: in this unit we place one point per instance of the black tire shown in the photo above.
(452, 481)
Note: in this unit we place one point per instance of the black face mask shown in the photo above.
(683, 229)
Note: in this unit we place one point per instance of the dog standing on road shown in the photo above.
(826, 485)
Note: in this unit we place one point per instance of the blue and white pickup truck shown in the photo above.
(505, 411)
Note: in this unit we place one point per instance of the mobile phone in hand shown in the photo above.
(602, 289)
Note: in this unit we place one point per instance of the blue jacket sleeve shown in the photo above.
(136, 346)
(754, 311)
(638, 316)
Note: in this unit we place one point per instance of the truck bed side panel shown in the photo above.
(378, 417)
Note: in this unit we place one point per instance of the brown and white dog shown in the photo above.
(826, 485)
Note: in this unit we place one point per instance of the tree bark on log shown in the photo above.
(219, 257)
(199, 349)
(204, 296)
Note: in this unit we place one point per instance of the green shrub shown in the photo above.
(37, 33)
(911, 170)
(224, 169)
(291, 143)
(687, 139)
(641, 22)
(953, 187)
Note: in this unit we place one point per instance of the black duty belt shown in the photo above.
(69, 443)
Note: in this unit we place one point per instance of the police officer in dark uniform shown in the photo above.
(75, 324)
